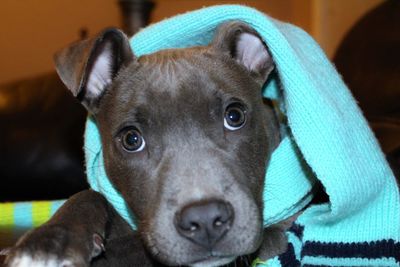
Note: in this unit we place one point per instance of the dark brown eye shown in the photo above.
(235, 116)
(132, 140)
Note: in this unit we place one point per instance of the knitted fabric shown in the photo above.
(328, 139)
(16, 218)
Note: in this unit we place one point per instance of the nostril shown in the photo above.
(204, 223)
(194, 227)
(185, 222)
(218, 222)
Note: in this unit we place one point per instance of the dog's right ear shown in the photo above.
(241, 42)
(88, 67)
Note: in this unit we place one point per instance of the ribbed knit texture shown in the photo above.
(328, 139)
(16, 218)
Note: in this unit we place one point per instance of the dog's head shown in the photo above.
(186, 138)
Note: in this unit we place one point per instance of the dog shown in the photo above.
(186, 138)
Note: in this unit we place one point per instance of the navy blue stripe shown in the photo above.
(288, 259)
(297, 230)
(372, 250)
(312, 265)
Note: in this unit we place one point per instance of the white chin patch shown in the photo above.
(214, 262)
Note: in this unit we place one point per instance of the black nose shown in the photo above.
(204, 223)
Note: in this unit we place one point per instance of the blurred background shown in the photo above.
(31, 30)
(41, 125)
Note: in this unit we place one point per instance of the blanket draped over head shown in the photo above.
(327, 140)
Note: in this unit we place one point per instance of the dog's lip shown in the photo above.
(212, 260)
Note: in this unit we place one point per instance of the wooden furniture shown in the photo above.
(41, 129)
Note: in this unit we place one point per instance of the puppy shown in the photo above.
(186, 138)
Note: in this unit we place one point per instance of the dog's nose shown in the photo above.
(204, 223)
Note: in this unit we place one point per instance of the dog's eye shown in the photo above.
(235, 116)
(132, 140)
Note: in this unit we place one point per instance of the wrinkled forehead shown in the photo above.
(180, 72)
(183, 81)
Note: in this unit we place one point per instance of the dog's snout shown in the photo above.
(204, 223)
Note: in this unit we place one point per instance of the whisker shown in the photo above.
(90, 149)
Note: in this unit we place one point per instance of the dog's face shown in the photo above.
(186, 138)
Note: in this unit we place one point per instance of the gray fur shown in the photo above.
(176, 99)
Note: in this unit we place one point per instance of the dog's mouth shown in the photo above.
(211, 231)
(212, 261)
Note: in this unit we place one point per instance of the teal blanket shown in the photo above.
(327, 139)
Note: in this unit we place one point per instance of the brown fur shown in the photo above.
(177, 100)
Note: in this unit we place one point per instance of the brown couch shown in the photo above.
(369, 60)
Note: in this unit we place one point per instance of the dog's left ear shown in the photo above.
(88, 67)
(244, 44)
